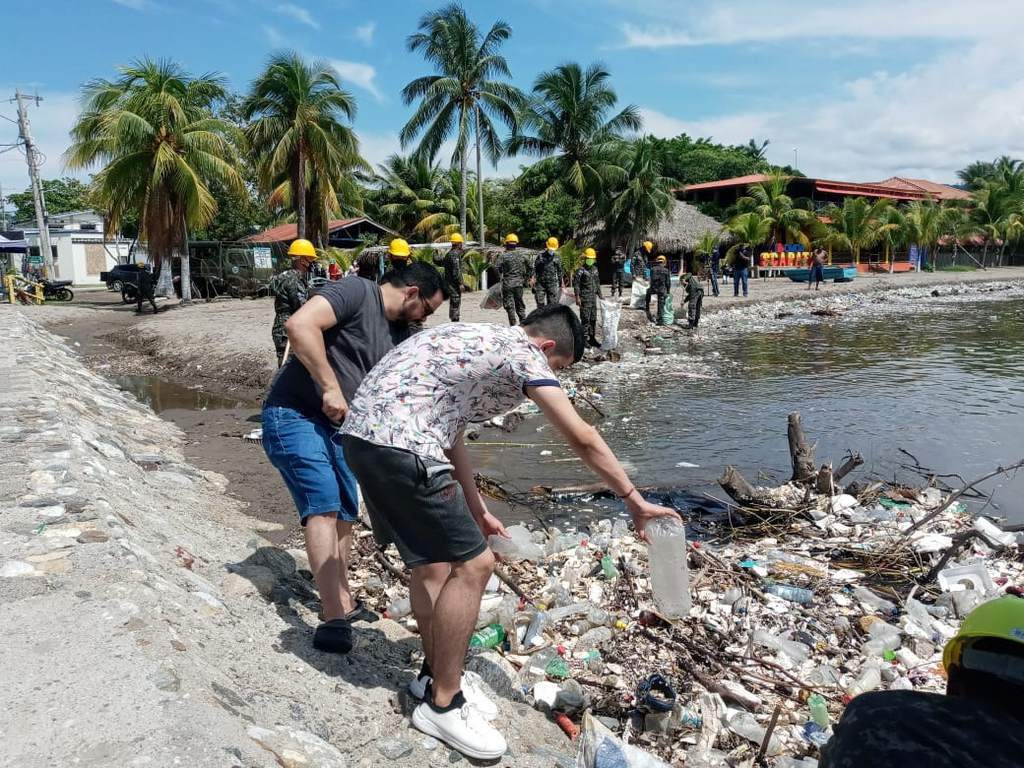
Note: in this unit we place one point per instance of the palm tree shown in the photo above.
(750, 228)
(892, 233)
(857, 224)
(926, 225)
(300, 141)
(996, 213)
(568, 123)
(411, 189)
(646, 198)
(152, 131)
(977, 174)
(769, 199)
(465, 95)
(755, 150)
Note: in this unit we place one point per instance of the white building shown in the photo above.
(80, 249)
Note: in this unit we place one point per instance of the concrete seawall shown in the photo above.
(144, 620)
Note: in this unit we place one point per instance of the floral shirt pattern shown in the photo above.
(424, 392)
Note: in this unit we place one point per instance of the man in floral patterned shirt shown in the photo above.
(403, 440)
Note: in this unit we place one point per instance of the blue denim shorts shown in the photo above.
(311, 463)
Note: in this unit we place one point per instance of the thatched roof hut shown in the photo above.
(682, 229)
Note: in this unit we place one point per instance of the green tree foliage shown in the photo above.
(645, 198)
(569, 123)
(857, 224)
(769, 199)
(466, 95)
(694, 161)
(298, 135)
(62, 196)
(530, 208)
(159, 149)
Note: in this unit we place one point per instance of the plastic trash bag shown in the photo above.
(668, 314)
(639, 296)
(611, 311)
(600, 748)
(492, 299)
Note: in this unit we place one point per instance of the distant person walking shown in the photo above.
(453, 276)
(618, 270)
(661, 286)
(513, 270)
(146, 291)
(337, 337)
(741, 270)
(289, 289)
(817, 275)
(715, 264)
(586, 287)
(547, 275)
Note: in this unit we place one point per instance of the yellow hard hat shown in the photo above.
(399, 247)
(511, 238)
(1002, 618)
(661, 260)
(552, 242)
(302, 247)
(589, 253)
(455, 238)
(648, 246)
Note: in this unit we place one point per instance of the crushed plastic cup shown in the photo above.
(670, 578)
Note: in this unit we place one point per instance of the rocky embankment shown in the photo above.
(146, 622)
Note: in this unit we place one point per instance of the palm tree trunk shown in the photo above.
(462, 190)
(165, 282)
(479, 182)
(186, 267)
(299, 195)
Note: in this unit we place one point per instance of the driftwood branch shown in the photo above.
(954, 496)
(800, 452)
(825, 480)
(736, 485)
(853, 461)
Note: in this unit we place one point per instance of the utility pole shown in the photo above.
(37, 187)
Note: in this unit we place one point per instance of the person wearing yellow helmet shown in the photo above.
(977, 723)
(453, 277)
(586, 287)
(513, 270)
(399, 254)
(548, 276)
(289, 289)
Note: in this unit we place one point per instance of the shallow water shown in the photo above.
(162, 395)
(943, 380)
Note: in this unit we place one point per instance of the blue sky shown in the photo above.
(864, 89)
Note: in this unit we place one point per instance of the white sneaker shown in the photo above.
(472, 688)
(465, 729)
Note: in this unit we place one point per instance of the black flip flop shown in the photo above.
(334, 636)
(361, 613)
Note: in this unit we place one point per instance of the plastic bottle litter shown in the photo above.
(533, 632)
(790, 593)
(608, 568)
(819, 710)
(875, 602)
(870, 677)
(519, 545)
(798, 652)
(670, 577)
(884, 637)
(745, 724)
(593, 638)
(994, 533)
(399, 608)
(490, 636)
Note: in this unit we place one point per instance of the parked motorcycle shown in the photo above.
(57, 290)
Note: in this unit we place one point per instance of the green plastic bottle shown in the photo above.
(490, 636)
(608, 567)
(819, 710)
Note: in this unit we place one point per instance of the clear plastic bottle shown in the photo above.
(593, 638)
(399, 608)
(798, 652)
(819, 709)
(790, 593)
(870, 677)
(670, 578)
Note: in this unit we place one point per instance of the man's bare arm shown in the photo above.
(305, 331)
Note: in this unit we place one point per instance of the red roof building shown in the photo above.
(823, 191)
(341, 233)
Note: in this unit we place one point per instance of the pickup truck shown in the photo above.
(120, 275)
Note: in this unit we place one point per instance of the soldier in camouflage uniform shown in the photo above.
(289, 289)
(547, 275)
(618, 270)
(586, 285)
(453, 276)
(661, 286)
(512, 268)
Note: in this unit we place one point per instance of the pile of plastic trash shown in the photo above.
(750, 642)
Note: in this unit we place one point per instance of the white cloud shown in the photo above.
(743, 21)
(135, 5)
(298, 13)
(51, 123)
(364, 32)
(274, 36)
(360, 74)
(926, 122)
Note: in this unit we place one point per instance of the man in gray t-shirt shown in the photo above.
(336, 338)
